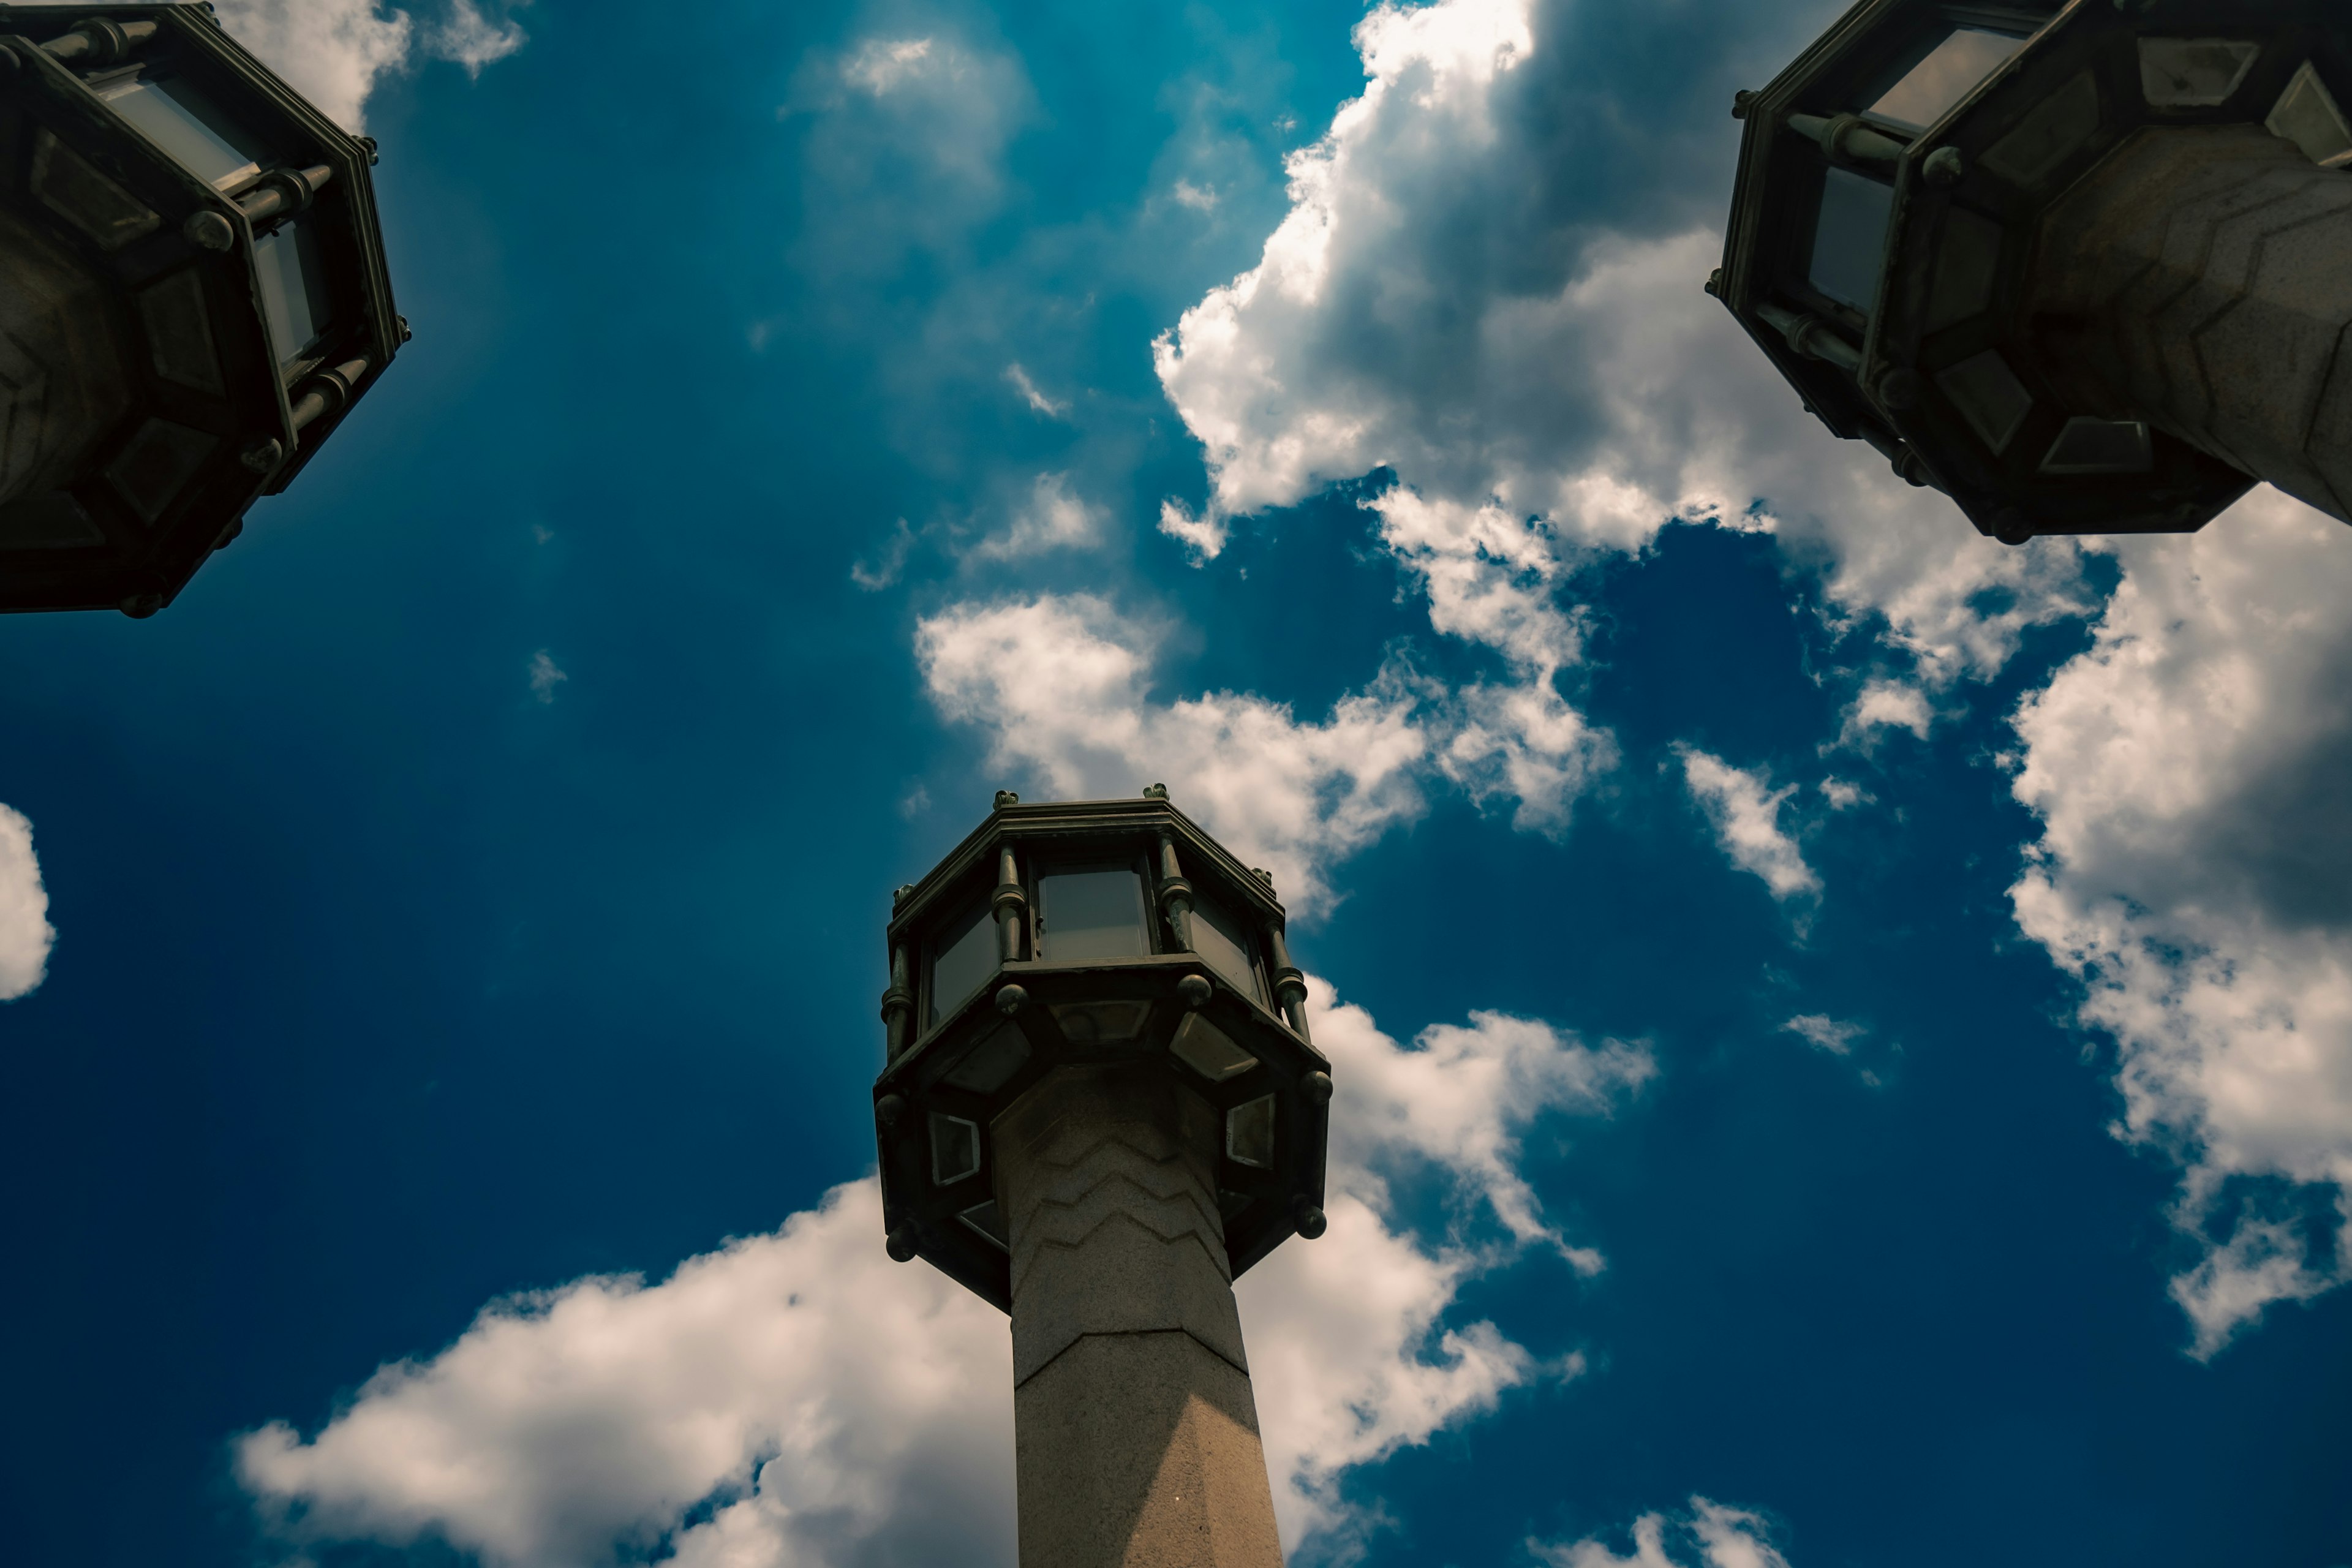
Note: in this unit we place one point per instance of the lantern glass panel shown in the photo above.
(964, 958)
(1225, 943)
(1850, 239)
(1093, 914)
(1950, 71)
(293, 289)
(178, 118)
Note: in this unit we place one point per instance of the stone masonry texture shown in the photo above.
(2199, 279)
(1136, 1432)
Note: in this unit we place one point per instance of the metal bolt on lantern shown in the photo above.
(2086, 268)
(1101, 1104)
(193, 295)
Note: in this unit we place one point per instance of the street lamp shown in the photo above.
(192, 294)
(1101, 1104)
(2086, 268)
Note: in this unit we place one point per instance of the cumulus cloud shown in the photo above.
(1549, 388)
(1050, 517)
(1061, 685)
(1747, 818)
(1546, 394)
(1724, 1538)
(810, 1393)
(334, 52)
(25, 934)
(330, 51)
(2194, 871)
(797, 1399)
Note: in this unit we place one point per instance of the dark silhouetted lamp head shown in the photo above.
(1078, 933)
(193, 295)
(2014, 247)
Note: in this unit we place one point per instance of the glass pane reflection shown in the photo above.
(1948, 74)
(293, 289)
(1850, 239)
(1220, 941)
(1090, 914)
(180, 120)
(965, 958)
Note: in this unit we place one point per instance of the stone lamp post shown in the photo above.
(1100, 1105)
(193, 295)
(2086, 266)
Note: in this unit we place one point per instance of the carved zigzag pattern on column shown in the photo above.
(2202, 325)
(1111, 1179)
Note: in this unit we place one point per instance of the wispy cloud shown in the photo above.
(546, 675)
(1745, 813)
(889, 566)
(881, 65)
(1052, 409)
(1830, 1034)
(1051, 517)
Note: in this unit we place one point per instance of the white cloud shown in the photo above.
(1888, 705)
(1725, 1537)
(333, 52)
(473, 40)
(1050, 519)
(1844, 794)
(1200, 198)
(1324, 1321)
(1051, 407)
(545, 676)
(884, 65)
(819, 1394)
(25, 934)
(2194, 871)
(1830, 1034)
(1062, 686)
(1545, 394)
(1747, 818)
(1491, 579)
(330, 51)
(1463, 1094)
(806, 1402)
(1203, 533)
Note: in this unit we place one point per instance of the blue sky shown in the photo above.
(1844, 1029)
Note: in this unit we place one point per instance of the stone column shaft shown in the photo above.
(1136, 1432)
(2200, 279)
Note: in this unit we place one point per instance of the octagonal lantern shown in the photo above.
(193, 295)
(2080, 266)
(1111, 934)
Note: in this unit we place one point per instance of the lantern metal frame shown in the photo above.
(1242, 1046)
(1968, 192)
(217, 413)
